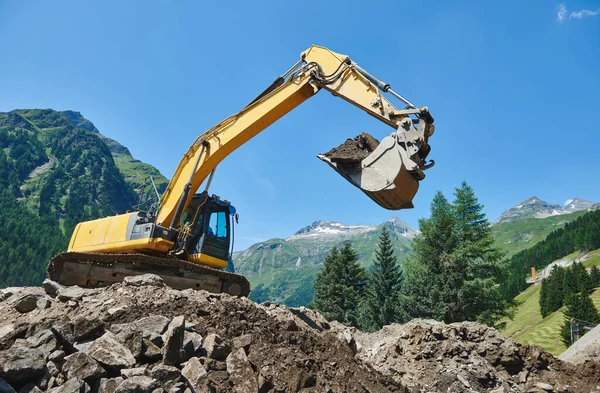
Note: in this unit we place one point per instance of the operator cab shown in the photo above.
(210, 221)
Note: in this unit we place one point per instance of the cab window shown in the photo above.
(217, 225)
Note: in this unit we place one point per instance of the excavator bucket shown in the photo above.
(387, 171)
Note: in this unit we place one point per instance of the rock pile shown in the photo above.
(135, 338)
(142, 336)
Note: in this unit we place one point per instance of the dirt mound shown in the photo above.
(142, 336)
(353, 150)
(431, 356)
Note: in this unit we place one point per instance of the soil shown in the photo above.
(353, 150)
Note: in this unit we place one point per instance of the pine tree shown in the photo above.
(339, 286)
(582, 278)
(581, 308)
(424, 269)
(569, 283)
(382, 301)
(595, 275)
(475, 271)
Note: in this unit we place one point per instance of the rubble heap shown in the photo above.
(142, 336)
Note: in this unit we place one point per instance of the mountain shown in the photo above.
(56, 170)
(136, 172)
(283, 270)
(537, 208)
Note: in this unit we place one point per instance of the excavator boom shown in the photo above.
(190, 234)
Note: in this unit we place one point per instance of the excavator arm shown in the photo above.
(389, 176)
(191, 234)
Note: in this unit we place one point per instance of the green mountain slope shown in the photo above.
(55, 171)
(135, 171)
(283, 270)
(528, 326)
(514, 236)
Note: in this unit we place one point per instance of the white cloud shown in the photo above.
(583, 14)
(562, 14)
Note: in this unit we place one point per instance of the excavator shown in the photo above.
(187, 239)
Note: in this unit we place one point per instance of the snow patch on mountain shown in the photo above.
(324, 228)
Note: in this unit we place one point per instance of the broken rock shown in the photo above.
(28, 303)
(215, 347)
(173, 348)
(72, 386)
(83, 367)
(19, 365)
(70, 293)
(144, 279)
(51, 287)
(87, 328)
(107, 385)
(196, 375)
(240, 372)
(192, 343)
(138, 384)
(110, 352)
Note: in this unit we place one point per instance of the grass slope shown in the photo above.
(528, 326)
(515, 236)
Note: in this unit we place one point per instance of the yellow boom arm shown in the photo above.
(390, 177)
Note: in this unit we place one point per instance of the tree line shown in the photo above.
(570, 287)
(453, 273)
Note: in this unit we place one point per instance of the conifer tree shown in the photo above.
(425, 268)
(582, 309)
(474, 272)
(382, 302)
(582, 278)
(595, 275)
(569, 283)
(339, 286)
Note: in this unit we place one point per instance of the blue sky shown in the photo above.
(514, 87)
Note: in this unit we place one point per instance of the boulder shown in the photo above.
(52, 369)
(27, 303)
(44, 340)
(73, 293)
(143, 280)
(139, 384)
(64, 333)
(196, 376)
(192, 343)
(58, 357)
(241, 372)
(6, 330)
(133, 372)
(215, 347)
(51, 287)
(108, 385)
(73, 385)
(87, 328)
(83, 367)
(179, 387)
(173, 348)
(133, 339)
(243, 342)
(20, 365)
(108, 351)
(164, 373)
(43, 303)
(151, 352)
(152, 324)
(5, 387)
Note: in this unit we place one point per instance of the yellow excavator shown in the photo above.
(187, 240)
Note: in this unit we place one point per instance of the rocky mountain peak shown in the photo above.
(535, 207)
(397, 225)
(578, 204)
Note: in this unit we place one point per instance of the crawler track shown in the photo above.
(91, 270)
